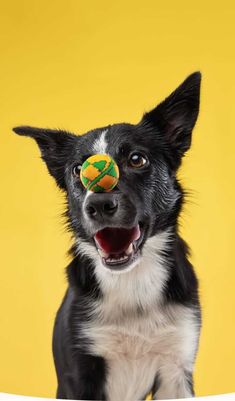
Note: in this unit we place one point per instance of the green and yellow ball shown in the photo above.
(99, 173)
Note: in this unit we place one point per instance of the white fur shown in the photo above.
(138, 344)
(100, 144)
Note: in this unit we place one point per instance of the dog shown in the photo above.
(129, 323)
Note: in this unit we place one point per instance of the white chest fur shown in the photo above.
(137, 348)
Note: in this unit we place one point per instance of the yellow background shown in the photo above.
(80, 64)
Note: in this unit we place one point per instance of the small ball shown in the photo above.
(99, 173)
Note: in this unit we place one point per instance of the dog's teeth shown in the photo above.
(129, 250)
(102, 253)
(116, 260)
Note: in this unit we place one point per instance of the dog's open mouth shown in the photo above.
(118, 247)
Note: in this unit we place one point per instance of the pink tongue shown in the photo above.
(116, 240)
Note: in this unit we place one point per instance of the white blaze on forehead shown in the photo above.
(100, 144)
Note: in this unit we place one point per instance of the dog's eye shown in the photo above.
(76, 170)
(137, 160)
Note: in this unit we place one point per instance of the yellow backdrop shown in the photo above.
(79, 64)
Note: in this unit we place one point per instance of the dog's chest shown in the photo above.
(132, 364)
(135, 348)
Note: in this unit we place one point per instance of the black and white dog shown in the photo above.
(130, 320)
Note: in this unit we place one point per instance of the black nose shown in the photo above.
(101, 205)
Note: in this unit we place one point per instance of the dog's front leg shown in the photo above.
(174, 382)
(83, 379)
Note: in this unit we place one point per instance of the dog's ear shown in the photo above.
(55, 146)
(176, 116)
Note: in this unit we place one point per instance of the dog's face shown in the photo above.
(147, 198)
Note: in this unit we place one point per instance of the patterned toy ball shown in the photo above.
(99, 173)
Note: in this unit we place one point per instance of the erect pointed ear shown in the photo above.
(55, 146)
(176, 116)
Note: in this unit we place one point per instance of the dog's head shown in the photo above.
(114, 226)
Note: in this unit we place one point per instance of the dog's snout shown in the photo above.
(101, 205)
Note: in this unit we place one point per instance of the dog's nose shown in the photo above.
(101, 205)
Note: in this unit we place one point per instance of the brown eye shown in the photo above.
(76, 170)
(137, 160)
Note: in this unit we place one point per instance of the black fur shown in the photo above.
(151, 196)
